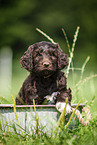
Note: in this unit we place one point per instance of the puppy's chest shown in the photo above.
(46, 87)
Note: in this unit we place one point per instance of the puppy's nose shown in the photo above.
(46, 64)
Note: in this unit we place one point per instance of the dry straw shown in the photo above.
(44, 34)
(83, 67)
(81, 82)
(71, 51)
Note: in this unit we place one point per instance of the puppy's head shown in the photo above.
(44, 58)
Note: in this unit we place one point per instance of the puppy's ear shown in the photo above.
(62, 58)
(26, 60)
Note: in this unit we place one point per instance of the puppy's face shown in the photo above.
(45, 60)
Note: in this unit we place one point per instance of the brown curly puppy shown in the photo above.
(45, 61)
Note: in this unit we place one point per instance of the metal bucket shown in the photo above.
(48, 117)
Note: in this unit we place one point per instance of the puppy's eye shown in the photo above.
(53, 58)
(38, 54)
(51, 53)
(37, 59)
(41, 51)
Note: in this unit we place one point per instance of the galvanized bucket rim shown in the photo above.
(37, 106)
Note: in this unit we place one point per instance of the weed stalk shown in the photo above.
(83, 67)
(37, 119)
(72, 50)
(67, 42)
(44, 34)
(15, 109)
(61, 120)
(81, 82)
(72, 115)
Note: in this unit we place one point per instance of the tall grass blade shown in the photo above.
(21, 129)
(72, 115)
(83, 67)
(37, 119)
(14, 127)
(61, 120)
(44, 34)
(81, 82)
(7, 125)
(72, 51)
(25, 120)
(20, 100)
(0, 126)
(67, 42)
(75, 38)
(15, 109)
(2, 99)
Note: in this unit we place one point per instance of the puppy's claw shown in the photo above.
(60, 107)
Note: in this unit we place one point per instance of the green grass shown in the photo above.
(82, 135)
(83, 83)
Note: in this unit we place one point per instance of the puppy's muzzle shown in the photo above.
(46, 64)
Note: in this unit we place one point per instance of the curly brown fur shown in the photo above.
(44, 61)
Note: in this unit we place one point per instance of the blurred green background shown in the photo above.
(18, 23)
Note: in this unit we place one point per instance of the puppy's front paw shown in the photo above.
(50, 99)
(60, 107)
